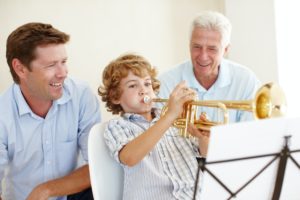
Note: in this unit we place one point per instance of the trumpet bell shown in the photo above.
(269, 102)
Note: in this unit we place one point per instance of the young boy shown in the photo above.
(158, 163)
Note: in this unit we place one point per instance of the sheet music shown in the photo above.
(252, 139)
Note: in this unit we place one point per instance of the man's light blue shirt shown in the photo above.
(234, 82)
(34, 150)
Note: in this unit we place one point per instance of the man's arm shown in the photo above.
(3, 155)
(75, 182)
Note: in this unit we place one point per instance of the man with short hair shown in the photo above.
(208, 72)
(47, 119)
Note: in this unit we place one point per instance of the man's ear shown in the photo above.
(18, 67)
(226, 49)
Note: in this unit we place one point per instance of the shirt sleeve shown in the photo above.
(89, 116)
(117, 134)
(3, 155)
(167, 85)
(252, 87)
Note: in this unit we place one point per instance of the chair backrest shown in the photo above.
(106, 174)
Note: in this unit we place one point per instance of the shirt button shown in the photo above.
(48, 162)
(47, 141)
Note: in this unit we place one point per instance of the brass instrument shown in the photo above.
(269, 102)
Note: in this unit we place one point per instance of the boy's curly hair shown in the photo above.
(118, 69)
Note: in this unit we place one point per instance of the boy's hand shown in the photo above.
(180, 95)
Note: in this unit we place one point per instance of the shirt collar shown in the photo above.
(224, 77)
(137, 117)
(190, 78)
(65, 97)
(24, 108)
(22, 105)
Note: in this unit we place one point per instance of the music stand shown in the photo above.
(253, 160)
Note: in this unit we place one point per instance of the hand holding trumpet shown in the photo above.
(202, 135)
(175, 104)
(175, 107)
(180, 95)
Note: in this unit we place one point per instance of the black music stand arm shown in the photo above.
(284, 154)
(283, 157)
(201, 167)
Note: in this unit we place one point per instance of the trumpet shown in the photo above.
(269, 102)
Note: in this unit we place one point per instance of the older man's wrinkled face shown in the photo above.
(206, 53)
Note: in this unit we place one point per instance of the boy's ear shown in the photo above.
(116, 101)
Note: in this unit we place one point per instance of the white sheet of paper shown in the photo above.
(250, 139)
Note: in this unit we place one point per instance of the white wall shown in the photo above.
(103, 29)
(253, 36)
(288, 31)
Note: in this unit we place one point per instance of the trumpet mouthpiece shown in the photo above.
(147, 99)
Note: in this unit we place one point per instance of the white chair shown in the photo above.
(106, 174)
